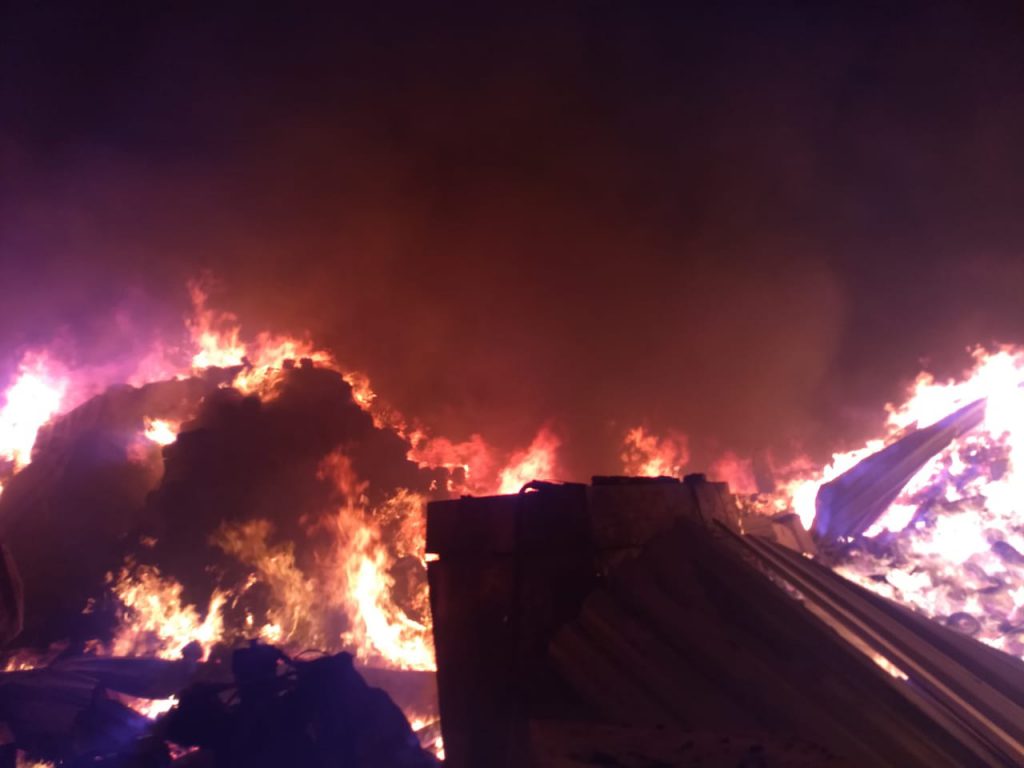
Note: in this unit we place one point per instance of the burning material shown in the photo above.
(934, 520)
(161, 431)
(154, 622)
(850, 504)
(259, 491)
(30, 402)
(647, 455)
(535, 463)
(242, 487)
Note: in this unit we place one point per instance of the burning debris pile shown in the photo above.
(298, 490)
(231, 491)
(934, 519)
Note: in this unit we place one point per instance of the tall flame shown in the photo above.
(648, 455)
(358, 572)
(155, 621)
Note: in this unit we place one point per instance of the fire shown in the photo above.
(346, 597)
(216, 336)
(535, 463)
(26, 658)
(473, 460)
(952, 544)
(292, 619)
(802, 491)
(648, 455)
(151, 708)
(736, 471)
(351, 577)
(217, 339)
(31, 401)
(358, 573)
(161, 431)
(155, 621)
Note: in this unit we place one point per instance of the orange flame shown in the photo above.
(217, 338)
(959, 523)
(352, 577)
(535, 463)
(293, 619)
(358, 575)
(647, 455)
(155, 621)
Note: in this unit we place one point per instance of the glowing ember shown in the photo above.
(647, 455)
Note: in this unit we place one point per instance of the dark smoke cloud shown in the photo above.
(749, 223)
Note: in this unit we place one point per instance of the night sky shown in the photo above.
(750, 222)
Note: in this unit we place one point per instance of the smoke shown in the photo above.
(751, 226)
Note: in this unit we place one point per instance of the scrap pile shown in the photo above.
(259, 709)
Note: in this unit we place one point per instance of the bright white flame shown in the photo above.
(33, 399)
(161, 431)
(955, 543)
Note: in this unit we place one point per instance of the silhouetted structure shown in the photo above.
(625, 622)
